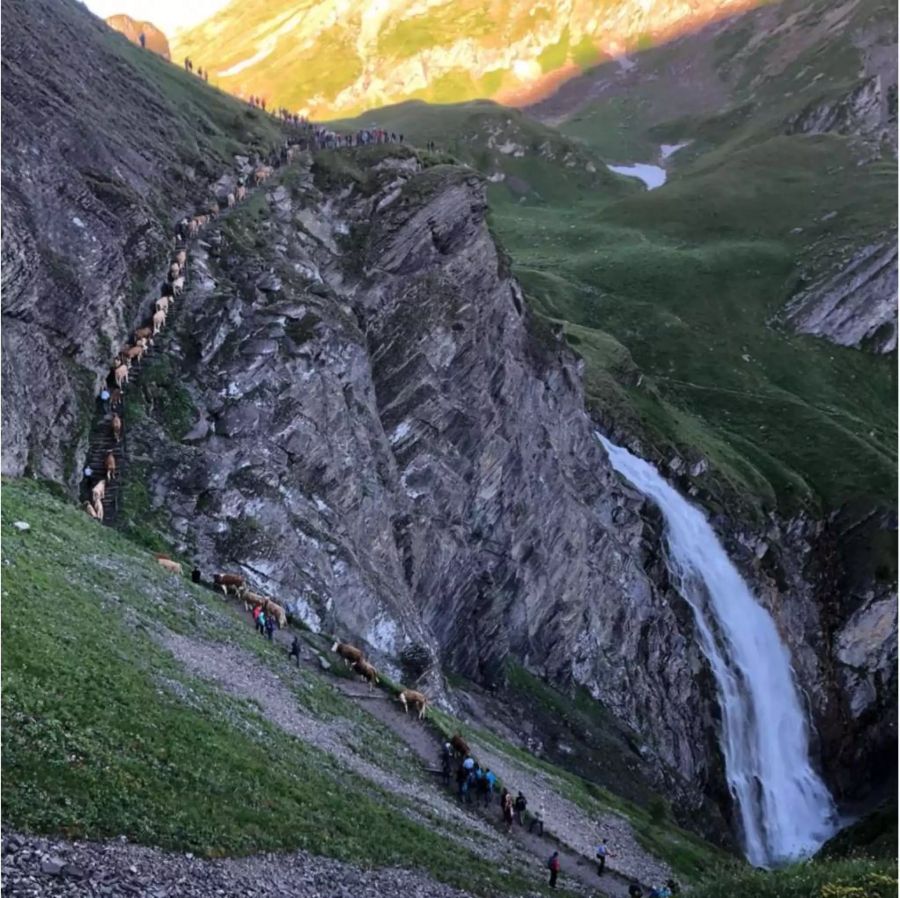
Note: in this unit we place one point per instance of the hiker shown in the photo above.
(469, 763)
(537, 820)
(186, 62)
(520, 806)
(553, 864)
(270, 626)
(88, 473)
(461, 778)
(673, 887)
(484, 787)
(143, 40)
(635, 891)
(660, 892)
(206, 74)
(601, 857)
(103, 401)
(507, 809)
(196, 576)
(295, 650)
(257, 611)
(490, 780)
(446, 754)
(471, 786)
(199, 72)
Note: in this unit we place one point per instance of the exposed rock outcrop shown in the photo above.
(132, 29)
(855, 306)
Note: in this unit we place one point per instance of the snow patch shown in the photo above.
(668, 149)
(652, 175)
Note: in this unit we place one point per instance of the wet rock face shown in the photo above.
(840, 625)
(388, 445)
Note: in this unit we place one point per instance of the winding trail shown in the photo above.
(579, 872)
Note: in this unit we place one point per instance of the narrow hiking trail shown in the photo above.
(423, 744)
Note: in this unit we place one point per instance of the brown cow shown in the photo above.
(350, 653)
(116, 427)
(144, 333)
(409, 697)
(229, 581)
(109, 463)
(174, 271)
(173, 567)
(93, 511)
(115, 398)
(121, 375)
(460, 746)
(367, 672)
(98, 492)
(159, 319)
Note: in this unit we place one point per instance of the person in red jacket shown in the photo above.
(553, 864)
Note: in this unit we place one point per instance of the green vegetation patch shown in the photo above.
(816, 879)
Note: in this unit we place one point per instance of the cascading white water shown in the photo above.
(786, 811)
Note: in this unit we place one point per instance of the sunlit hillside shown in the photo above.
(335, 57)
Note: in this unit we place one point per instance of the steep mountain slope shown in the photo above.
(147, 708)
(358, 410)
(132, 29)
(440, 51)
(104, 144)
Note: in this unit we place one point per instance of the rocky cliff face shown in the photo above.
(132, 29)
(384, 442)
(94, 164)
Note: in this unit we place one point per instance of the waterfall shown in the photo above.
(786, 811)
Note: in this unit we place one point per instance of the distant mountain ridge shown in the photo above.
(384, 51)
(132, 29)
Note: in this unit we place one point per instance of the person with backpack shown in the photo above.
(490, 779)
(196, 575)
(673, 887)
(143, 39)
(270, 626)
(446, 754)
(295, 650)
(553, 864)
(507, 808)
(520, 806)
(635, 891)
(601, 857)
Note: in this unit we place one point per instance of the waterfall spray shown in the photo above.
(785, 809)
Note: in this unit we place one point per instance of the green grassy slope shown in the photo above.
(684, 284)
(104, 733)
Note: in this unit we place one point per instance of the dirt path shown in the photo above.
(578, 871)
